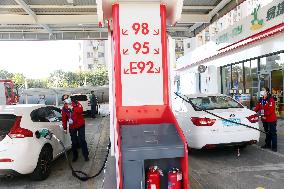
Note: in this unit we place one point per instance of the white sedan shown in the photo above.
(20, 151)
(204, 130)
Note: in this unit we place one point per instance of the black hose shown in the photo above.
(80, 174)
(245, 125)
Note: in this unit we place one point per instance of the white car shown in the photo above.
(84, 100)
(20, 151)
(203, 130)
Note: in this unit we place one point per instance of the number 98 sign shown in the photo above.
(141, 48)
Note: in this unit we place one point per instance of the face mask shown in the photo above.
(67, 101)
(263, 93)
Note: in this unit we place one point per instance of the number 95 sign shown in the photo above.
(141, 54)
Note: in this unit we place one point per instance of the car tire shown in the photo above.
(43, 168)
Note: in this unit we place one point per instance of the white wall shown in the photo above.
(189, 83)
(171, 64)
(2, 94)
(209, 82)
(192, 42)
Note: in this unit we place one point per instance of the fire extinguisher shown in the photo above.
(153, 178)
(174, 179)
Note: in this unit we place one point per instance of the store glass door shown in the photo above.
(277, 90)
(264, 80)
(274, 81)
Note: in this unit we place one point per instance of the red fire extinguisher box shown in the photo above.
(154, 141)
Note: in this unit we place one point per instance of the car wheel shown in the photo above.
(43, 168)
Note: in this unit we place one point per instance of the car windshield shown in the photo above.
(214, 102)
(79, 97)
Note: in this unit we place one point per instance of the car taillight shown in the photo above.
(17, 132)
(253, 118)
(202, 121)
(6, 160)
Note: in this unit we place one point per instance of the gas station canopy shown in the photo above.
(78, 19)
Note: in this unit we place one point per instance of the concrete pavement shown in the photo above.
(256, 167)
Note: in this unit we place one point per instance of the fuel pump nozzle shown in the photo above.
(45, 133)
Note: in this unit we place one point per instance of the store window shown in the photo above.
(237, 79)
(251, 82)
(272, 62)
(226, 79)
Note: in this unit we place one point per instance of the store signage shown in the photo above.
(275, 11)
(225, 37)
(261, 19)
(141, 55)
(256, 23)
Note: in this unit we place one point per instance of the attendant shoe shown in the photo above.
(274, 149)
(265, 146)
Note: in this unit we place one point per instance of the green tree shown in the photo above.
(18, 79)
(37, 83)
(98, 77)
(71, 79)
(57, 79)
(5, 74)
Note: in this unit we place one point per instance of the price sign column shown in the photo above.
(141, 55)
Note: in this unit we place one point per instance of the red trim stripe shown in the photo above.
(253, 39)
(164, 54)
(117, 73)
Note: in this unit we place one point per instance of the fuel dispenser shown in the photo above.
(144, 131)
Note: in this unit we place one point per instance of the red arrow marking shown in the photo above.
(156, 32)
(125, 51)
(157, 51)
(124, 32)
(157, 70)
(126, 71)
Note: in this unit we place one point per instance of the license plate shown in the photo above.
(227, 123)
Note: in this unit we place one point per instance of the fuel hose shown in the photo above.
(222, 118)
(78, 174)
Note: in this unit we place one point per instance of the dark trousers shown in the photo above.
(93, 111)
(271, 136)
(74, 140)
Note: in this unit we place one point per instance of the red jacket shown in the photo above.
(76, 115)
(268, 105)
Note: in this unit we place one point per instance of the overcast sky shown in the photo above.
(36, 59)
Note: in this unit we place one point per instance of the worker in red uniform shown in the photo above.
(266, 107)
(72, 114)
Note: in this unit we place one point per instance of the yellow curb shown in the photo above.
(260, 188)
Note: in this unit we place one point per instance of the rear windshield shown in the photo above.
(79, 97)
(214, 102)
(6, 123)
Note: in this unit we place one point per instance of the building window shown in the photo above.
(226, 79)
(101, 55)
(188, 45)
(90, 55)
(90, 66)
